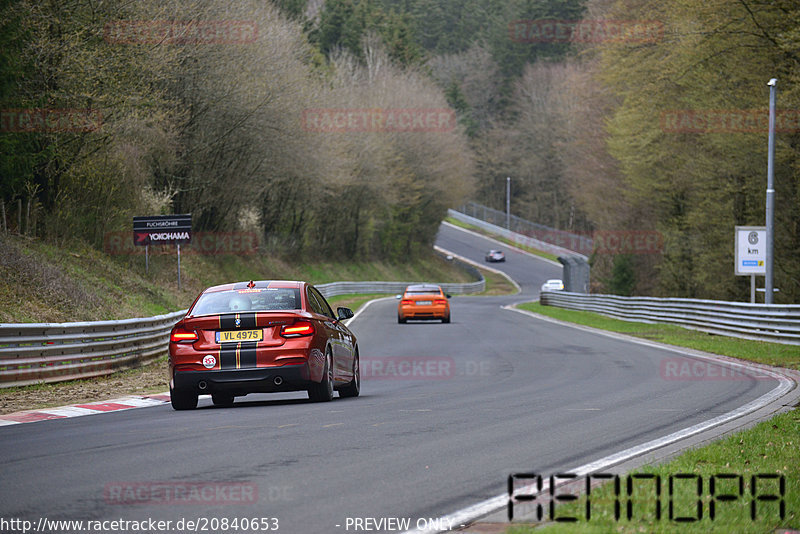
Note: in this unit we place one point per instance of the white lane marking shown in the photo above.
(364, 307)
(494, 504)
(493, 240)
(476, 264)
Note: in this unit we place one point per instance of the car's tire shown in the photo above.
(401, 320)
(182, 399)
(323, 392)
(353, 388)
(446, 320)
(222, 399)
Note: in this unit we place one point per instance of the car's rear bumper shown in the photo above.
(424, 314)
(243, 381)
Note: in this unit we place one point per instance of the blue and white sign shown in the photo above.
(751, 250)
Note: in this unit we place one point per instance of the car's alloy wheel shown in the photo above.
(323, 392)
(353, 388)
(183, 400)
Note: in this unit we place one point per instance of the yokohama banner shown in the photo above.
(162, 230)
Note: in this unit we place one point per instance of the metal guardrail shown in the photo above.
(763, 322)
(53, 352)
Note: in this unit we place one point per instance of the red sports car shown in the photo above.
(259, 337)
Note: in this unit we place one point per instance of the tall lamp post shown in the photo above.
(508, 202)
(768, 280)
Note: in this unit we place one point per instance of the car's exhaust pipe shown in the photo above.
(202, 385)
(278, 380)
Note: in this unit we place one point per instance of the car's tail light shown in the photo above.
(183, 335)
(298, 329)
(406, 302)
(440, 302)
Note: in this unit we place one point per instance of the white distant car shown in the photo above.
(495, 256)
(553, 285)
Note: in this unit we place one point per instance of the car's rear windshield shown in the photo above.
(432, 291)
(247, 300)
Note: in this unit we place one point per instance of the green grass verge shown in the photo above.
(764, 352)
(502, 239)
(771, 447)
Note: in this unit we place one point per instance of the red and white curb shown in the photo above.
(89, 408)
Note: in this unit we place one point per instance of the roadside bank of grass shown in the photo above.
(768, 452)
(41, 282)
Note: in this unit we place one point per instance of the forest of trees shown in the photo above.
(214, 126)
(598, 134)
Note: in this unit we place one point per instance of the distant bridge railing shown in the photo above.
(524, 232)
(32, 353)
(763, 322)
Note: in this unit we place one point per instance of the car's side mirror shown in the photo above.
(398, 297)
(344, 313)
(448, 296)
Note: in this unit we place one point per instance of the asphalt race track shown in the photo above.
(446, 413)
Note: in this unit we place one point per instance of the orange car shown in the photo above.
(424, 301)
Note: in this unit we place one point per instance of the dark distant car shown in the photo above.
(423, 301)
(261, 337)
(495, 256)
(553, 285)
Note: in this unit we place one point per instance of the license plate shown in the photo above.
(424, 302)
(239, 335)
